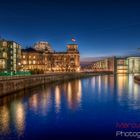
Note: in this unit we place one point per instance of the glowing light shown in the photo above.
(20, 118)
(69, 93)
(57, 98)
(4, 119)
(79, 93)
(121, 80)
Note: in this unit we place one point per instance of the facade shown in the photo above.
(134, 64)
(122, 65)
(44, 59)
(115, 65)
(43, 46)
(51, 61)
(10, 55)
(103, 65)
(31, 60)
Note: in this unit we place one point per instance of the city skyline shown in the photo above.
(69, 69)
(101, 28)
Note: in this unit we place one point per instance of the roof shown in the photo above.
(29, 50)
(9, 41)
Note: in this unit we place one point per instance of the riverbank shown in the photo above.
(137, 79)
(11, 84)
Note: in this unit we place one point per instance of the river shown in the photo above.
(87, 107)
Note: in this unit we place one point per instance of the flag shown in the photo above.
(73, 39)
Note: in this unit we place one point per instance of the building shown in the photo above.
(43, 46)
(46, 60)
(10, 55)
(122, 65)
(134, 64)
(119, 65)
(32, 59)
(103, 65)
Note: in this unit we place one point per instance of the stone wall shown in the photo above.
(10, 85)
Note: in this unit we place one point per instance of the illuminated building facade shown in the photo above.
(10, 55)
(122, 65)
(115, 65)
(134, 64)
(43, 46)
(104, 65)
(32, 59)
(47, 60)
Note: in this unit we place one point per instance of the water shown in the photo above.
(86, 108)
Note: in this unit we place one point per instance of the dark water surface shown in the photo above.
(83, 108)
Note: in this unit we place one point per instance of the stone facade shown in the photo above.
(48, 61)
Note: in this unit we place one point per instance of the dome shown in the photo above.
(43, 46)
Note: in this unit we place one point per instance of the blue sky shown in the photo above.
(101, 27)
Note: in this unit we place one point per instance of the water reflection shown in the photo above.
(45, 101)
(40, 102)
(74, 94)
(33, 101)
(4, 119)
(57, 98)
(19, 116)
(122, 82)
(128, 92)
(99, 84)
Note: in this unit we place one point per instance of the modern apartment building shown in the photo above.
(134, 64)
(10, 55)
(119, 65)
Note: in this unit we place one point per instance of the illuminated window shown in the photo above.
(24, 62)
(34, 62)
(4, 44)
(2, 64)
(30, 62)
(5, 55)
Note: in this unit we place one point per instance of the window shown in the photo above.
(30, 62)
(2, 64)
(4, 44)
(34, 62)
(24, 62)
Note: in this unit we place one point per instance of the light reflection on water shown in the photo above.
(57, 98)
(4, 119)
(57, 101)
